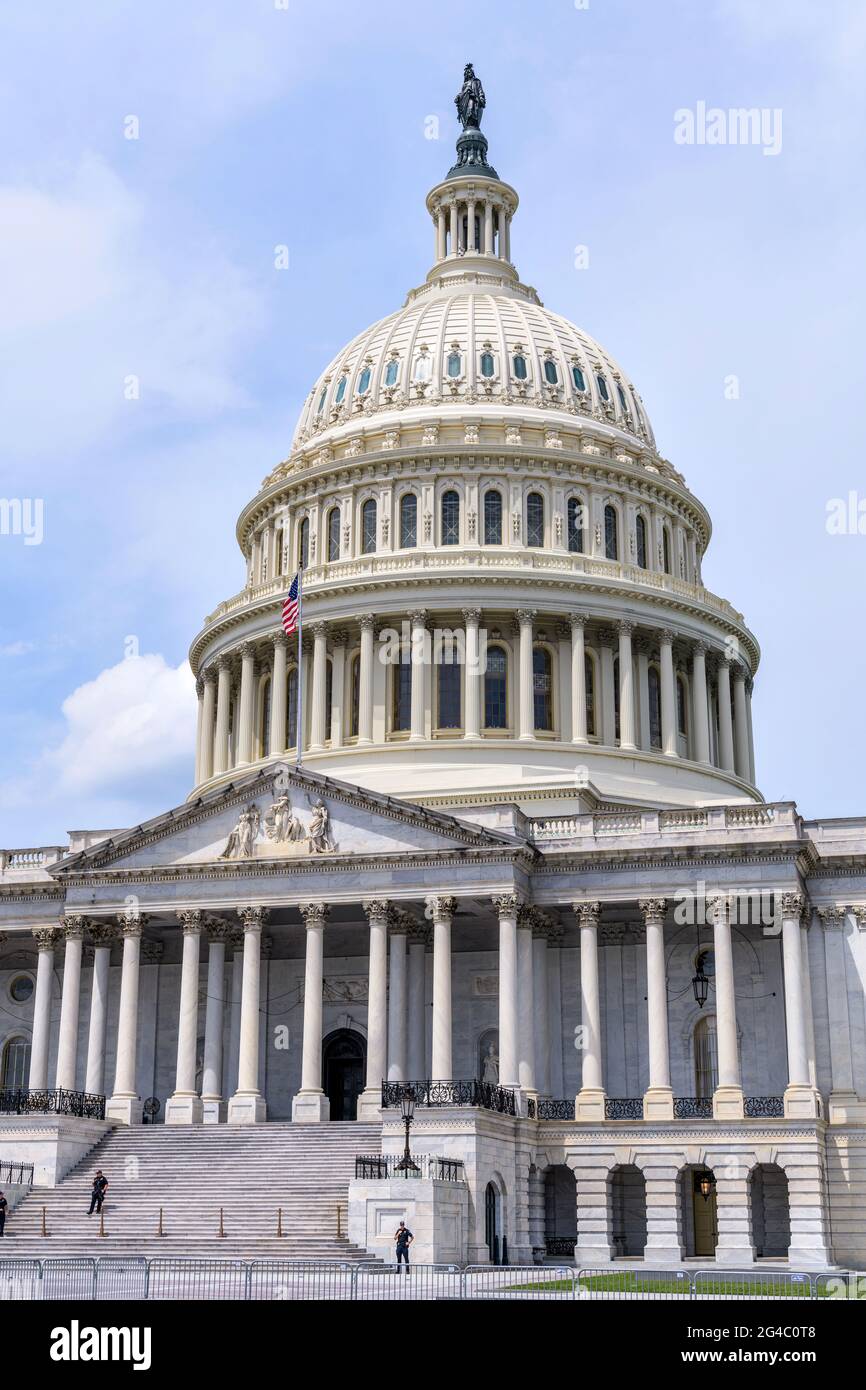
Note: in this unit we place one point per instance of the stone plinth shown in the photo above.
(437, 1214)
(52, 1143)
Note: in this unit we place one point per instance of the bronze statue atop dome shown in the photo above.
(470, 100)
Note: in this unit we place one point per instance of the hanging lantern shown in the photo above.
(706, 1185)
(701, 986)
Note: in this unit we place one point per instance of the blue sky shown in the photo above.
(260, 125)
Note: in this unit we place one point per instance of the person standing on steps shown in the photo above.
(4, 1206)
(404, 1238)
(98, 1191)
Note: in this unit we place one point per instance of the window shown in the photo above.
(354, 695)
(551, 375)
(611, 544)
(496, 689)
(340, 391)
(21, 989)
(655, 708)
(15, 1071)
(450, 519)
(519, 364)
(423, 368)
(666, 550)
(640, 536)
(493, 517)
(487, 364)
(542, 687)
(621, 394)
(589, 672)
(455, 362)
(535, 519)
(304, 544)
(292, 708)
(321, 406)
(682, 707)
(364, 381)
(706, 1057)
(334, 534)
(265, 727)
(368, 527)
(602, 387)
(391, 371)
(575, 524)
(408, 521)
(401, 694)
(578, 377)
(449, 682)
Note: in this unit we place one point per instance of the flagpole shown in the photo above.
(299, 732)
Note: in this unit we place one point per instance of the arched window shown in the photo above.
(450, 518)
(611, 541)
(334, 534)
(706, 1057)
(292, 707)
(454, 364)
(519, 365)
(589, 673)
(542, 688)
(655, 707)
(265, 723)
(448, 680)
(535, 519)
(496, 689)
(492, 517)
(304, 544)
(340, 391)
(640, 534)
(423, 367)
(666, 550)
(364, 381)
(575, 524)
(15, 1068)
(322, 398)
(488, 366)
(602, 387)
(408, 521)
(368, 527)
(401, 694)
(578, 377)
(391, 371)
(682, 707)
(621, 394)
(551, 375)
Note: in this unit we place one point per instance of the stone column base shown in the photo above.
(183, 1110)
(370, 1104)
(310, 1107)
(247, 1109)
(662, 1256)
(846, 1107)
(735, 1256)
(801, 1103)
(589, 1105)
(126, 1110)
(658, 1103)
(214, 1110)
(590, 1256)
(728, 1103)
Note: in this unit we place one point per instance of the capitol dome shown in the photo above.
(502, 592)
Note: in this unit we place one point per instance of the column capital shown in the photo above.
(191, 922)
(471, 615)
(247, 651)
(314, 914)
(280, 639)
(666, 635)
(224, 662)
(417, 616)
(319, 629)
(367, 622)
(653, 910)
(508, 904)
(199, 687)
(253, 918)
(131, 924)
(832, 918)
(378, 911)
(587, 913)
(439, 909)
(625, 626)
(605, 637)
(73, 927)
(578, 620)
(102, 933)
(791, 904)
(45, 938)
(339, 637)
(857, 910)
(208, 673)
(718, 908)
(219, 930)
(700, 647)
(526, 616)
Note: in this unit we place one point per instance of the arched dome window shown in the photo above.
(304, 544)
(666, 550)
(706, 1057)
(364, 381)
(621, 394)
(519, 366)
(450, 514)
(401, 694)
(423, 368)
(492, 517)
(575, 513)
(334, 534)
(542, 688)
(340, 391)
(655, 707)
(589, 674)
(408, 521)
(602, 387)
(292, 707)
(368, 527)
(611, 538)
(265, 719)
(551, 375)
(488, 366)
(454, 364)
(391, 372)
(496, 689)
(354, 695)
(640, 536)
(535, 519)
(449, 692)
(578, 377)
(322, 398)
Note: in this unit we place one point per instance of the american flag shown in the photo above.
(291, 606)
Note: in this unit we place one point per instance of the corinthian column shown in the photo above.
(310, 1104)
(668, 694)
(365, 695)
(418, 620)
(699, 702)
(801, 1100)
(45, 938)
(589, 1102)
(184, 1106)
(207, 726)
(247, 704)
(741, 724)
(213, 1106)
(441, 911)
(278, 694)
(247, 1105)
(507, 906)
(728, 1095)
(472, 668)
(525, 1003)
(626, 686)
(224, 699)
(125, 1103)
(658, 1101)
(67, 1043)
(726, 730)
(397, 1003)
(578, 679)
(378, 914)
(102, 936)
(525, 618)
(318, 732)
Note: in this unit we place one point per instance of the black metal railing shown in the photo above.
(26, 1102)
(763, 1107)
(16, 1174)
(431, 1166)
(623, 1108)
(435, 1093)
(693, 1107)
(556, 1110)
(561, 1245)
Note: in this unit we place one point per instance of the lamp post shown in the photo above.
(700, 983)
(706, 1185)
(407, 1109)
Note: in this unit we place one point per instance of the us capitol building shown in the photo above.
(523, 863)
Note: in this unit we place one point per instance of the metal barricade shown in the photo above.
(840, 1286)
(121, 1277)
(398, 1283)
(519, 1282)
(301, 1280)
(72, 1276)
(197, 1279)
(636, 1283)
(20, 1280)
(752, 1283)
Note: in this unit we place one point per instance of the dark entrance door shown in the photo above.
(343, 1067)
(491, 1224)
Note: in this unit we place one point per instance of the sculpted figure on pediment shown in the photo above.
(281, 823)
(241, 841)
(319, 836)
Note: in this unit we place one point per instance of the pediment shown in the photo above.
(282, 814)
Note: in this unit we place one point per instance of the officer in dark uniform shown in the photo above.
(4, 1206)
(98, 1191)
(404, 1238)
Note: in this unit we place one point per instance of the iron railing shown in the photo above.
(430, 1166)
(561, 1245)
(556, 1110)
(764, 1107)
(693, 1107)
(436, 1093)
(623, 1108)
(16, 1174)
(26, 1102)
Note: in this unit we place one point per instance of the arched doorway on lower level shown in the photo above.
(771, 1211)
(698, 1215)
(344, 1057)
(494, 1224)
(15, 1063)
(560, 1211)
(627, 1211)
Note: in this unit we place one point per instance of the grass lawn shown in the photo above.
(632, 1282)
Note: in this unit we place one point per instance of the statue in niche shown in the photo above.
(490, 1066)
(319, 839)
(470, 100)
(281, 823)
(241, 841)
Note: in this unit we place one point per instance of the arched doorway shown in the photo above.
(344, 1056)
(560, 1211)
(771, 1213)
(627, 1211)
(700, 1227)
(493, 1234)
(15, 1064)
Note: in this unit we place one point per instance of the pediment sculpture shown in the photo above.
(284, 831)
